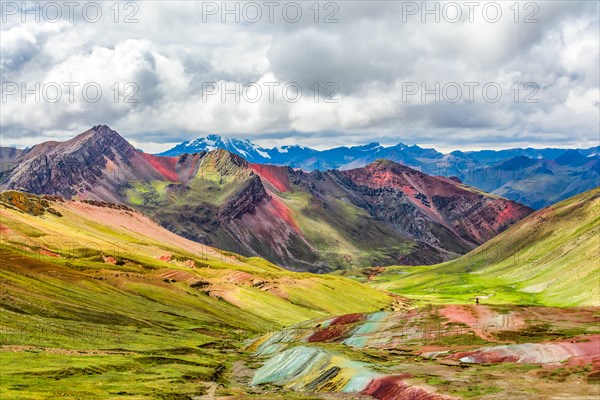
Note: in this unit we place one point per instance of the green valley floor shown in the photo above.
(99, 302)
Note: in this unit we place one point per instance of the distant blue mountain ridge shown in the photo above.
(534, 177)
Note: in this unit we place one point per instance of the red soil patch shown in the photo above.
(509, 213)
(164, 165)
(372, 272)
(49, 253)
(338, 330)
(484, 321)
(276, 176)
(335, 333)
(393, 388)
(239, 278)
(589, 353)
(4, 229)
(283, 212)
(180, 276)
(431, 349)
(578, 351)
(375, 178)
(109, 260)
(348, 319)
(460, 314)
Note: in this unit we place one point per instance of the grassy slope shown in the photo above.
(217, 178)
(550, 258)
(78, 325)
(344, 229)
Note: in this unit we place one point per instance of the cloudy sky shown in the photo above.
(451, 76)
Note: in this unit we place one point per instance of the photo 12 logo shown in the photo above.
(71, 11)
(252, 12)
(55, 92)
(469, 92)
(253, 92)
(472, 11)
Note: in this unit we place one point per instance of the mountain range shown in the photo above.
(381, 214)
(534, 177)
(122, 277)
(550, 258)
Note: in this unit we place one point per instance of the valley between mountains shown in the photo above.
(205, 276)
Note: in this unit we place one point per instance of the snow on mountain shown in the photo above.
(243, 148)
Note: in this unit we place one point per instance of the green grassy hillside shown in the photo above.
(549, 258)
(98, 301)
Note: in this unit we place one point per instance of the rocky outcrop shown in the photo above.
(311, 369)
(29, 203)
(244, 201)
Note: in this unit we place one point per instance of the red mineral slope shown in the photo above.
(337, 330)
(163, 165)
(269, 224)
(276, 176)
(576, 351)
(283, 212)
(472, 215)
(179, 169)
(393, 388)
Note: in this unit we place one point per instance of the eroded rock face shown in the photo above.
(68, 168)
(393, 387)
(431, 209)
(244, 201)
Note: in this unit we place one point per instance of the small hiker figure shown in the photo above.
(477, 300)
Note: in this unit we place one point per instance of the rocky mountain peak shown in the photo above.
(104, 134)
(387, 166)
(102, 129)
(225, 158)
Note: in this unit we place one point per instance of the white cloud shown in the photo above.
(369, 54)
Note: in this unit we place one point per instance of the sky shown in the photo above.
(448, 75)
